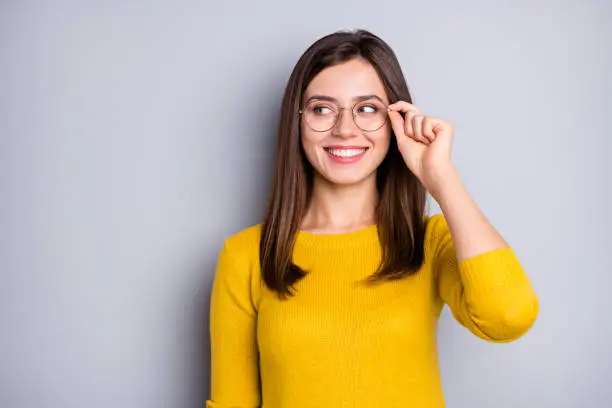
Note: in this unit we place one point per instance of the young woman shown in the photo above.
(333, 301)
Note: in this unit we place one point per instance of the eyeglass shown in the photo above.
(321, 116)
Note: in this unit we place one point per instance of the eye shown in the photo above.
(367, 109)
(321, 110)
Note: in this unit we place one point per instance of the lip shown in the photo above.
(345, 147)
(345, 160)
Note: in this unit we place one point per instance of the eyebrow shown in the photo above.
(355, 99)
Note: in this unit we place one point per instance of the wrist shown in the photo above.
(443, 182)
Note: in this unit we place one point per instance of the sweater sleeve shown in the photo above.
(234, 354)
(490, 293)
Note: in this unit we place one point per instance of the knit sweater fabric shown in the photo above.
(341, 342)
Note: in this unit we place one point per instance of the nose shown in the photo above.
(345, 125)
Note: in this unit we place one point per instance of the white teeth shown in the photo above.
(346, 152)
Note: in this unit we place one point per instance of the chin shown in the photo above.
(346, 179)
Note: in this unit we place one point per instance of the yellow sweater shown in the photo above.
(341, 343)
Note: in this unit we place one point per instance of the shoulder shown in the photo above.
(435, 223)
(241, 249)
(238, 264)
(244, 241)
(436, 231)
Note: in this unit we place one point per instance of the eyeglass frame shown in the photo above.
(340, 109)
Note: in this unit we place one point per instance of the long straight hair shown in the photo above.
(402, 197)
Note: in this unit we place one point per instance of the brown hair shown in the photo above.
(402, 196)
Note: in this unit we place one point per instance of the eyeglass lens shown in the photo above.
(369, 115)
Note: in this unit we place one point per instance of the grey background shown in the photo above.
(136, 136)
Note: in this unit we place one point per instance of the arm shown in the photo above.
(478, 275)
(234, 353)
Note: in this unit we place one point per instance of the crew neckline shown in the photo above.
(365, 235)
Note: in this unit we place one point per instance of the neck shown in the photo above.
(337, 208)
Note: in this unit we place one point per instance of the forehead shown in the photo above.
(346, 81)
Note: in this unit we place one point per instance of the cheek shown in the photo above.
(310, 143)
(381, 141)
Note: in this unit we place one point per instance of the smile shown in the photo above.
(345, 155)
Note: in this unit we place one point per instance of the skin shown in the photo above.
(344, 196)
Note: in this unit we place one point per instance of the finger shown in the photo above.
(409, 111)
(403, 106)
(440, 126)
(443, 131)
(417, 126)
(398, 123)
(427, 129)
(409, 129)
